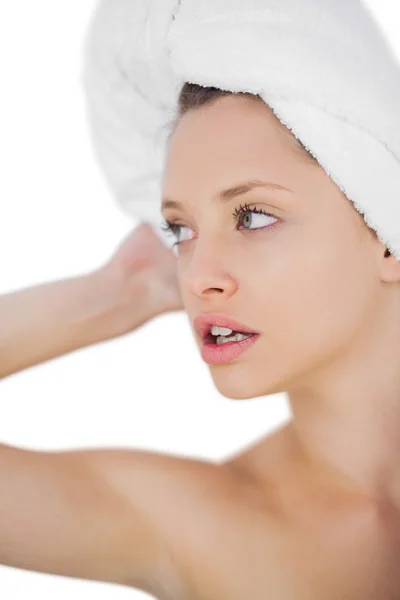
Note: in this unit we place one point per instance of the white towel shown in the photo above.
(323, 66)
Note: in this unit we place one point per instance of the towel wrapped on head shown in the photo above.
(323, 66)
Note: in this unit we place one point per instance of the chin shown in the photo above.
(234, 389)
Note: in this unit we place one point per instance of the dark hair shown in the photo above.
(193, 96)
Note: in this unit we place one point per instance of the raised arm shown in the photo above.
(105, 515)
(52, 319)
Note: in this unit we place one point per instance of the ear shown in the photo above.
(390, 267)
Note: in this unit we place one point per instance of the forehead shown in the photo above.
(233, 136)
(229, 121)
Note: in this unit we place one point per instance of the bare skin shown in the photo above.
(308, 512)
(303, 537)
(54, 318)
(321, 513)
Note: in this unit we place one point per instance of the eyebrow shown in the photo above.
(226, 195)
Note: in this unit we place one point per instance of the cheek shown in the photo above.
(312, 302)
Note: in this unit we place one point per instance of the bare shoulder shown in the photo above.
(217, 520)
(192, 506)
(114, 515)
(179, 497)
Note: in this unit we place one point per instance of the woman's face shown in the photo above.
(304, 277)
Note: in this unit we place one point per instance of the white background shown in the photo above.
(148, 389)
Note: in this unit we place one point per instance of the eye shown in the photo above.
(247, 210)
(261, 215)
(174, 229)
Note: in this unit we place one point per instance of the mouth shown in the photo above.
(219, 350)
(233, 338)
(217, 329)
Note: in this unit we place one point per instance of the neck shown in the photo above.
(350, 424)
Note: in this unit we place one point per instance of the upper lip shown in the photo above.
(203, 324)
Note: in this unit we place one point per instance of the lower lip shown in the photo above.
(215, 354)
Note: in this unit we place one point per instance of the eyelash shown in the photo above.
(173, 228)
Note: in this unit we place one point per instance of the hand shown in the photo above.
(146, 269)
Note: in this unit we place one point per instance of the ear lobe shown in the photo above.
(391, 268)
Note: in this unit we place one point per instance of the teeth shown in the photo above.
(234, 338)
(221, 334)
(215, 330)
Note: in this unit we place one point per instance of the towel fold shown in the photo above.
(323, 66)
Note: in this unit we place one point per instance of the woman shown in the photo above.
(299, 265)
(311, 511)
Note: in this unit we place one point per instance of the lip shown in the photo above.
(217, 354)
(203, 324)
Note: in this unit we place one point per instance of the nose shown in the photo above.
(207, 274)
